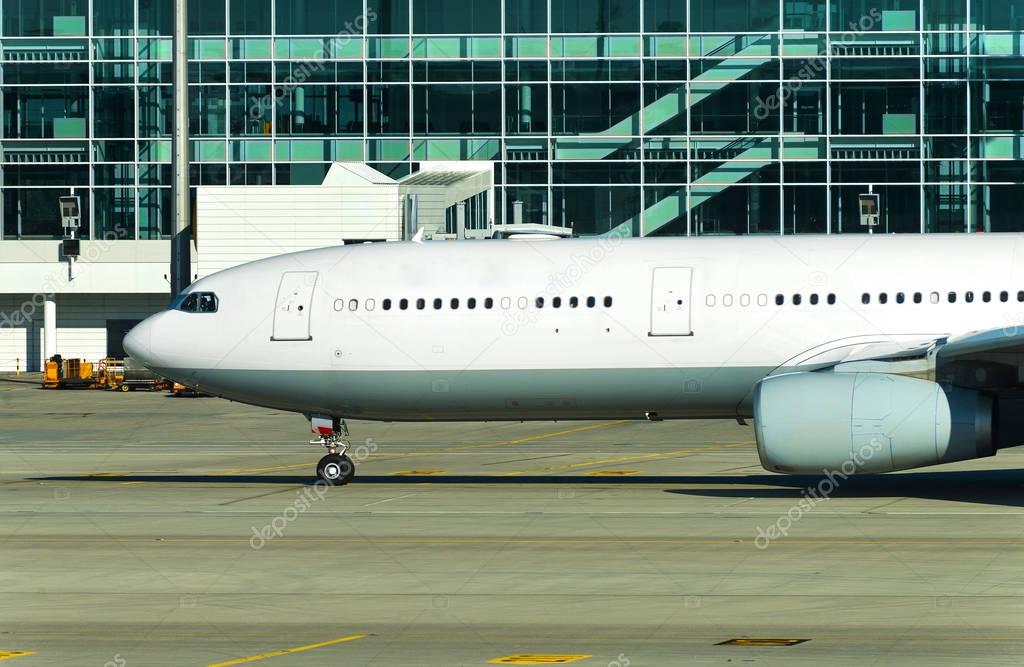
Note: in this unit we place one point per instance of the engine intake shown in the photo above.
(814, 423)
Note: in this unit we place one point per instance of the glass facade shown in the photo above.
(649, 117)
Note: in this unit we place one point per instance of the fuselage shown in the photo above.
(570, 329)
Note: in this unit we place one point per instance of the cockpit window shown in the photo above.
(198, 302)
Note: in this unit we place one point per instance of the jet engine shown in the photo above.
(817, 423)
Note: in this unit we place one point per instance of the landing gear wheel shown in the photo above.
(336, 470)
(125, 388)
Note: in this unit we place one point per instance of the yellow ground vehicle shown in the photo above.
(136, 376)
(111, 373)
(63, 373)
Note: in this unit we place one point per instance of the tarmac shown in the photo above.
(145, 529)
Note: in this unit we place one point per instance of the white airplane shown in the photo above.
(879, 353)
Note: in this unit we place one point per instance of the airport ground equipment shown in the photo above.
(179, 389)
(111, 373)
(63, 373)
(137, 376)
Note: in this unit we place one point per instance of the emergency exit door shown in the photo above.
(294, 306)
(670, 301)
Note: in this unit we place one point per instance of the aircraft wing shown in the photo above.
(991, 360)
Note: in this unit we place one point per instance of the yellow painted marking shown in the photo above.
(7, 655)
(290, 466)
(131, 483)
(751, 641)
(537, 659)
(387, 457)
(414, 473)
(631, 459)
(503, 443)
(613, 472)
(286, 651)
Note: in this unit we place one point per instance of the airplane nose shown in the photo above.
(138, 343)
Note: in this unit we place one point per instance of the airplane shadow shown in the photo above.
(987, 487)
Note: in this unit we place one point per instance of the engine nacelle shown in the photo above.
(816, 423)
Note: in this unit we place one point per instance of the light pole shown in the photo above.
(181, 255)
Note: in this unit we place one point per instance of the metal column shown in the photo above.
(181, 255)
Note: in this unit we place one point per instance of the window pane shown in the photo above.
(31, 212)
(115, 213)
(665, 16)
(526, 16)
(205, 17)
(388, 109)
(387, 17)
(456, 17)
(591, 16)
(207, 111)
(113, 17)
(734, 15)
(458, 110)
(114, 114)
(320, 17)
(250, 17)
(36, 18)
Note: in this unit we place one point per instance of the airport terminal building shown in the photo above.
(646, 118)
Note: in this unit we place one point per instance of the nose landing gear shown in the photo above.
(335, 469)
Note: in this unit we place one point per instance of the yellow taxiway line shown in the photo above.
(391, 457)
(286, 651)
(680, 453)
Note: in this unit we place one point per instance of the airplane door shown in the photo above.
(670, 301)
(294, 306)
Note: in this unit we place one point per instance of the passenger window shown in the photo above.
(831, 299)
(727, 300)
(883, 298)
(745, 300)
(421, 304)
(710, 301)
(1020, 296)
(969, 297)
(488, 303)
(814, 299)
(607, 302)
(901, 297)
(934, 297)
(865, 299)
(404, 304)
(986, 297)
(523, 303)
(779, 300)
(353, 305)
(797, 299)
(556, 302)
(762, 300)
(339, 305)
(471, 304)
(918, 297)
(952, 297)
(386, 304)
(438, 303)
(574, 302)
(455, 304)
(591, 302)
(506, 302)
(370, 304)
(540, 302)
(1004, 296)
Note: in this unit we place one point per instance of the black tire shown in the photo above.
(335, 470)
